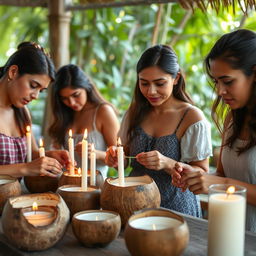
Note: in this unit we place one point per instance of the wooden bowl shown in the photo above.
(67, 179)
(41, 184)
(156, 232)
(96, 228)
(138, 193)
(78, 200)
(30, 237)
(9, 187)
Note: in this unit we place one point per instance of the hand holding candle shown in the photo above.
(29, 144)
(41, 148)
(93, 166)
(71, 152)
(84, 160)
(120, 157)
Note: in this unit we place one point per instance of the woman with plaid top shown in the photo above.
(27, 72)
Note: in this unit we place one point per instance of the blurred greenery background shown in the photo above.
(107, 43)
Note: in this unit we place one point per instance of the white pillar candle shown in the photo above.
(41, 148)
(120, 157)
(71, 152)
(29, 144)
(226, 226)
(93, 166)
(155, 223)
(84, 161)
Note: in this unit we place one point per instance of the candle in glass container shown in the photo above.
(120, 158)
(71, 152)
(39, 216)
(41, 148)
(226, 225)
(93, 166)
(84, 160)
(29, 143)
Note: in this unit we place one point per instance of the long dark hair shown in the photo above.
(30, 59)
(163, 57)
(69, 76)
(238, 49)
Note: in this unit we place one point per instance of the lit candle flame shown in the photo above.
(85, 134)
(79, 171)
(41, 143)
(70, 133)
(28, 128)
(34, 207)
(92, 147)
(154, 226)
(230, 190)
(119, 143)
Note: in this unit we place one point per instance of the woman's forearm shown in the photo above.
(14, 170)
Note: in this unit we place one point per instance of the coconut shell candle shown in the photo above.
(31, 233)
(136, 193)
(76, 179)
(9, 187)
(156, 232)
(96, 228)
(41, 184)
(78, 199)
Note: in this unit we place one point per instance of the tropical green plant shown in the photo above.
(107, 43)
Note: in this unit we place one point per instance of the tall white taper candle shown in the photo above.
(29, 144)
(71, 152)
(84, 161)
(120, 157)
(93, 166)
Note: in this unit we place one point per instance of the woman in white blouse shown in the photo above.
(162, 127)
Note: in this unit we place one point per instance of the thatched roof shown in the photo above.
(245, 5)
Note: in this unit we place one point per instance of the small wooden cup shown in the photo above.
(137, 193)
(78, 200)
(30, 237)
(96, 228)
(9, 187)
(156, 232)
(41, 184)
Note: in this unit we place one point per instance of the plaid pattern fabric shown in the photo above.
(12, 149)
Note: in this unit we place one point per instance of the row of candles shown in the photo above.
(120, 155)
(226, 228)
(226, 210)
(84, 160)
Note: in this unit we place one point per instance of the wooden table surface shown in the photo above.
(69, 246)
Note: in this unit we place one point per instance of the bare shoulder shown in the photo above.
(106, 110)
(193, 115)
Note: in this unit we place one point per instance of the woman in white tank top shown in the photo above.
(78, 105)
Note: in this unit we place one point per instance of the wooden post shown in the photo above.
(59, 32)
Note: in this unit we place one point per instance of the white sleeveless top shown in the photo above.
(241, 167)
(95, 137)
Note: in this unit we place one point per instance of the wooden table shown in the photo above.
(68, 245)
